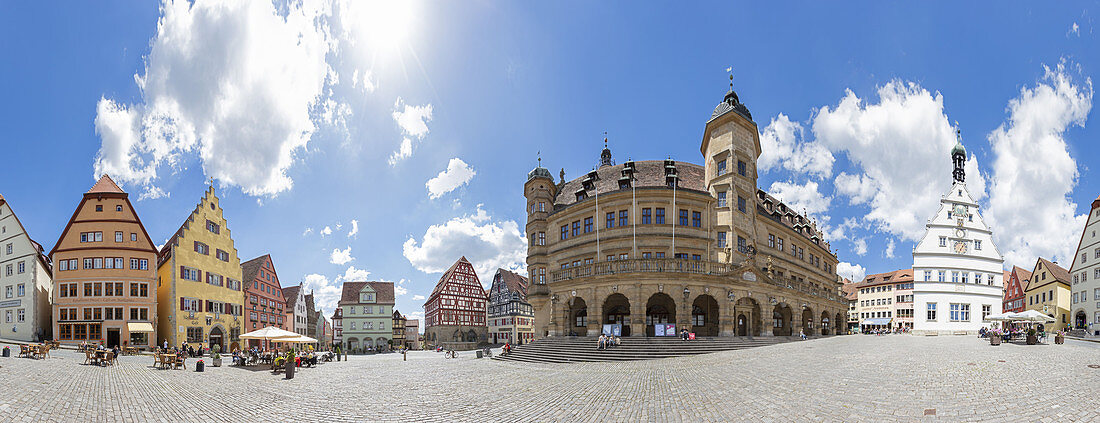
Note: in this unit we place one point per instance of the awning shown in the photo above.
(877, 322)
(140, 327)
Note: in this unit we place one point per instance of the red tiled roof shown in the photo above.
(514, 282)
(1058, 273)
(105, 185)
(447, 275)
(251, 268)
(900, 275)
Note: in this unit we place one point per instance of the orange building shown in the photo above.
(105, 273)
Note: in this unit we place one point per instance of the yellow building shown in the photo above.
(1048, 292)
(199, 293)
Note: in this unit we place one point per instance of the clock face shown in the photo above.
(960, 247)
(960, 232)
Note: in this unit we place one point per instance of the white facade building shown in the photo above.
(25, 282)
(957, 271)
(1086, 275)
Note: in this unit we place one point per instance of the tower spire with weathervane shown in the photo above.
(958, 157)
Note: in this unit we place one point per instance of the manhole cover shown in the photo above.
(930, 411)
(1094, 366)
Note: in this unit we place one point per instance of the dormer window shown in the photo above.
(118, 208)
(624, 182)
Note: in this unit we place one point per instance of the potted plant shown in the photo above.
(215, 358)
(199, 366)
(995, 337)
(1060, 337)
(1031, 338)
(7, 352)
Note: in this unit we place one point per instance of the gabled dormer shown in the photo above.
(368, 295)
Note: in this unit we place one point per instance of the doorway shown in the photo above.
(216, 336)
(113, 337)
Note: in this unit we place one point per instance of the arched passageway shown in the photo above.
(616, 310)
(781, 320)
(660, 309)
(704, 316)
(578, 317)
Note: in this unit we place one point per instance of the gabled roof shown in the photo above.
(290, 293)
(513, 282)
(383, 292)
(900, 275)
(251, 268)
(1057, 273)
(446, 275)
(105, 185)
(647, 173)
(42, 257)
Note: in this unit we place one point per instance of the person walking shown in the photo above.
(802, 334)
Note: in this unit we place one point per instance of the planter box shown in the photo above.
(1059, 339)
(994, 340)
(216, 362)
(1032, 339)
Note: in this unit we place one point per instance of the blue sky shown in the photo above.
(299, 116)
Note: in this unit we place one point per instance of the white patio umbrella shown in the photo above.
(1001, 317)
(270, 333)
(297, 339)
(1033, 316)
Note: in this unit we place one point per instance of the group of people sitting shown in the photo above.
(607, 341)
(86, 346)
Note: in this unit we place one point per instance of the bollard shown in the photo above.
(290, 369)
(405, 355)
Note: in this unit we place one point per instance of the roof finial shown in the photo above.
(729, 70)
(958, 132)
(604, 139)
(539, 154)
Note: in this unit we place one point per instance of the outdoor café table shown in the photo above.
(101, 357)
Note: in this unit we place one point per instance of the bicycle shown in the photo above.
(450, 354)
(488, 352)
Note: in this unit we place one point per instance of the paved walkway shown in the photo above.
(849, 378)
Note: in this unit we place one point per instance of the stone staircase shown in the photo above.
(568, 349)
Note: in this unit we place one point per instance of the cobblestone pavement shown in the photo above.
(850, 378)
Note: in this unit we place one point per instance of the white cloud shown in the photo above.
(341, 257)
(235, 83)
(782, 146)
(307, 231)
(1074, 30)
(326, 294)
(859, 246)
(900, 147)
(354, 275)
(418, 298)
(326, 231)
(366, 83)
(1030, 208)
(403, 152)
(853, 272)
(801, 197)
(487, 244)
(354, 228)
(890, 245)
(413, 121)
(457, 174)
(399, 290)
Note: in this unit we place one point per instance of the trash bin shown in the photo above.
(290, 369)
(479, 353)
